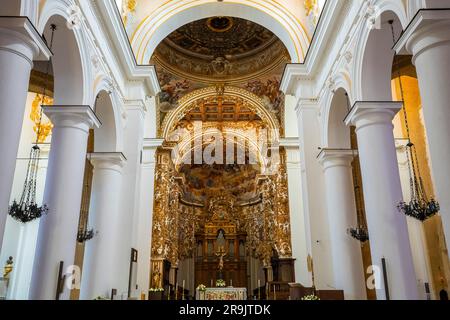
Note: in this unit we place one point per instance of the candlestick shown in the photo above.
(168, 294)
(176, 292)
(211, 283)
(231, 282)
(184, 283)
(274, 293)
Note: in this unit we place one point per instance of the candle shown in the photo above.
(259, 289)
(184, 283)
(231, 282)
(211, 283)
(274, 293)
(176, 292)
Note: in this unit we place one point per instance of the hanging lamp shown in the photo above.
(27, 209)
(361, 232)
(420, 206)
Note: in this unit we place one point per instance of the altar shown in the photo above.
(222, 294)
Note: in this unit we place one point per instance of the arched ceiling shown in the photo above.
(221, 49)
(147, 23)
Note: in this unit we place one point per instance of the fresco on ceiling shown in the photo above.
(220, 51)
(204, 181)
(268, 89)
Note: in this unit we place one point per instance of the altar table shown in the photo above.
(222, 294)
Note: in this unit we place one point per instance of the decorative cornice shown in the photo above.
(107, 160)
(153, 143)
(113, 22)
(367, 108)
(305, 71)
(24, 27)
(290, 142)
(81, 113)
(329, 158)
(418, 24)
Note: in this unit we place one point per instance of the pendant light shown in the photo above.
(27, 209)
(359, 233)
(420, 206)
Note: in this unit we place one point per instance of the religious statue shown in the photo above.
(156, 278)
(221, 254)
(8, 268)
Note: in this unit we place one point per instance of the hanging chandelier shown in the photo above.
(359, 233)
(26, 209)
(85, 235)
(420, 206)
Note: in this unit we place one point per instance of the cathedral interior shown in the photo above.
(224, 150)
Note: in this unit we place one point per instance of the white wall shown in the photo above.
(300, 227)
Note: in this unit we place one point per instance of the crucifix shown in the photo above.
(221, 254)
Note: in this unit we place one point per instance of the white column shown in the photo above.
(313, 188)
(63, 190)
(20, 44)
(133, 141)
(428, 39)
(299, 223)
(103, 257)
(341, 206)
(415, 227)
(146, 215)
(388, 231)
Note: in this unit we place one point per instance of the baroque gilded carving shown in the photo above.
(177, 217)
(42, 127)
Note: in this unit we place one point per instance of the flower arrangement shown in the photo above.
(220, 283)
(101, 298)
(156, 290)
(201, 288)
(311, 297)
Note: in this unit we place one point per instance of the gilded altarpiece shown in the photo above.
(220, 231)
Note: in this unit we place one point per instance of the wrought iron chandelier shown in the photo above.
(420, 206)
(359, 233)
(27, 209)
(85, 235)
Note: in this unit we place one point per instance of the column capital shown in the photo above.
(108, 160)
(428, 28)
(367, 113)
(18, 35)
(79, 117)
(330, 158)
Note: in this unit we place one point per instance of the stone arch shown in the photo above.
(333, 114)
(109, 137)
(71, 59)
(372, 69)
(185, 105)
(338, 134)
(245, 142)
(171, 16)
